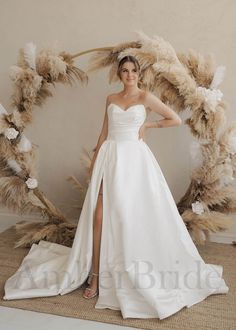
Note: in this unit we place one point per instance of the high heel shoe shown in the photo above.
(90, 289)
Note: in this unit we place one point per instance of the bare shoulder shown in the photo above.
(110, 98)
(111, 95)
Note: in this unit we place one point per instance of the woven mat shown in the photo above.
(215, 312)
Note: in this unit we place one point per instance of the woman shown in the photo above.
(128, 72)
(130, 236)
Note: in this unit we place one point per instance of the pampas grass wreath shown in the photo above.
(183, 81)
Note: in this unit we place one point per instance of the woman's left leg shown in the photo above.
(97, 229)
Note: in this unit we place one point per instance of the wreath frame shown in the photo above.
(183, 81)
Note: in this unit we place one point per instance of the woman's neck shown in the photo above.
(130, 91)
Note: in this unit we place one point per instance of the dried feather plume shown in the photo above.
(32, 78)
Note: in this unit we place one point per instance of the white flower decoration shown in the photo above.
(11, 133)
(212, 96)
(197, 207)
(31, 183)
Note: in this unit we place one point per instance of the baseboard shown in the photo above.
(9, 219)
(30, 216)
(222, 238)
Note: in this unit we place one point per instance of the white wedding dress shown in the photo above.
(149, 265)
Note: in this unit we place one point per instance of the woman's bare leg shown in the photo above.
(97, 230)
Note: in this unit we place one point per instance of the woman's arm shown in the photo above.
(102, 137)
(155, 104)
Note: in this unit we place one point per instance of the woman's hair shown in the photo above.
(128, 58)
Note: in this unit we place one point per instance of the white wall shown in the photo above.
(72, 119)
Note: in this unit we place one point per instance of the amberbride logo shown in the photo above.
(140, 275)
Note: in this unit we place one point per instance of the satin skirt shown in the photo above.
(149, 266)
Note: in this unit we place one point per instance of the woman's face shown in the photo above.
(128, 74)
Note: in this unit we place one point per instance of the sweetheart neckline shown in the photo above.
(128, 107)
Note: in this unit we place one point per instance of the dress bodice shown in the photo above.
(125, 124)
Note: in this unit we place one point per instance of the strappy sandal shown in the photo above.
(90, 289)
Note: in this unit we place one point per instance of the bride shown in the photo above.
(128, 73)
(131, 243)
